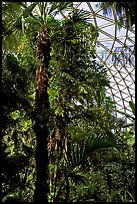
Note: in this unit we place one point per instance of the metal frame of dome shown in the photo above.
(116, 51)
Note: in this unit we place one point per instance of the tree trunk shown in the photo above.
(42, 118)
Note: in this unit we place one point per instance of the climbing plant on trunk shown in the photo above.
(35, 14)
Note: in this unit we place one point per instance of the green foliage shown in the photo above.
(18, 139)
(12, 29)
(26, 53)
(78, 152)
(132, 106)
(129, 131)
(29, 9)
(15, 115)
(90, 168)
(110, 177)
(77, 94)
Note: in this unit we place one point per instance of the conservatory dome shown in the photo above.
(116, 51)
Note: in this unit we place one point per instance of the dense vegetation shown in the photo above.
(54, 92)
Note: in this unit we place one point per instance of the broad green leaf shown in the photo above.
(77, 153)
(132, 106)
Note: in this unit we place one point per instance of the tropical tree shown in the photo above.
(77, 98)
(40, 19)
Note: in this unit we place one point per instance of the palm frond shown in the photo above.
(64, 6)
(126, 114)
(29, 9)
(78, 178)
(80, 15)
(80, 150)
(53, 7)
(132, 106)
(57, 7)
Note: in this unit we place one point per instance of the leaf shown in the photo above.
(15, 115)
(61, 6)
(78, 178)
(53, 7)
(29, 9)
(99, 144)
(132, 106)
(64, 5)
(80, 150)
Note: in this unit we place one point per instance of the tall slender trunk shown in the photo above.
(42, 118)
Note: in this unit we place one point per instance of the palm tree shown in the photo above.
(36, 13)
